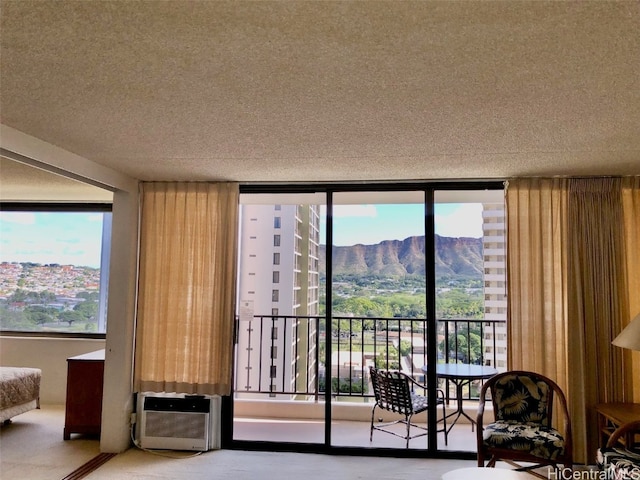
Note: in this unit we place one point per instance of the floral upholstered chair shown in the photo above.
(523, 428)
(621, 460)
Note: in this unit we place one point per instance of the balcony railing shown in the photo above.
(286, 356)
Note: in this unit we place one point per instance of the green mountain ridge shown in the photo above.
(455, 258)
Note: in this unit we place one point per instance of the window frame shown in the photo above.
(70, 207)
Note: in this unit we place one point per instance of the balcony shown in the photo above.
(281, 375)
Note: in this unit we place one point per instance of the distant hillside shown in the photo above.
(455, 258)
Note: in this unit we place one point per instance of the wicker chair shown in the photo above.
(394, 393)
(621, 456)
(522, 430)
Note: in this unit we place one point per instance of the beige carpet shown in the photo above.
(32, 448)
(240, 465)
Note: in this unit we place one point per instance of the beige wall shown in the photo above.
(117, 398)
(49, 355)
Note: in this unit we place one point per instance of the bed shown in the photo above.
(19, 391)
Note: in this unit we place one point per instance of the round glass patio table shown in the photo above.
(462, 374)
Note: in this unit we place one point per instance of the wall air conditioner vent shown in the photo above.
(178, 422)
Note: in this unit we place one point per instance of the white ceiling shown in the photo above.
(328, 91)
(20, 182)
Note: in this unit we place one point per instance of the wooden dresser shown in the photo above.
(83, 413)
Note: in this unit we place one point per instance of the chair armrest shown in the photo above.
(624, 429)
(482, 398)
(439, 391)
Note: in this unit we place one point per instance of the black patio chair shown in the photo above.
(394, 392)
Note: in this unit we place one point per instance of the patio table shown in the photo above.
(462, 374)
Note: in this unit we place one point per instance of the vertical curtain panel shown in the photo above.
(573, 260)
(598, 302)
(537, 276)
(631, 216)
(186, 293)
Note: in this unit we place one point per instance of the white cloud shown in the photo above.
(464, 221)
(355, 211)
(23, 218)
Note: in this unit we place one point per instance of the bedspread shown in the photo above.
(18, 385)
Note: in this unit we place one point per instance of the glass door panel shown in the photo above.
(471, 303)
(378, 310)
(279, 328)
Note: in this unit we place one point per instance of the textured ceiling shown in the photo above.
(328, 91)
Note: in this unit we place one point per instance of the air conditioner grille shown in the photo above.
(176, 424)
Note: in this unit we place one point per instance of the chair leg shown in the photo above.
(373, 411)
(444, 424)
(408, 420)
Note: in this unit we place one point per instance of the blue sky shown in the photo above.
(75, 238)
(71, 238)
(370, 224)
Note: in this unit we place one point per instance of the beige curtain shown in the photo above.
(188, 244)
(569, 258)
(598, 303)
(537, 276)
(631, 214)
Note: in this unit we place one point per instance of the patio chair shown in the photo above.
(523, 428)
(394, 392)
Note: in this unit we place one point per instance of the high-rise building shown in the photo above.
(495, 284)
(279, 287)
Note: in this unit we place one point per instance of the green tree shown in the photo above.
(39, 315)
(88, 310)
(14, 320)
(93, 296)
(70, 317)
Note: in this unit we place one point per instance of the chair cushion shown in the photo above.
(532, 438)
(419, 403)
(521, 398)
(618, 463)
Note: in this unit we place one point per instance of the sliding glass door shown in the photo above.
(335, 282)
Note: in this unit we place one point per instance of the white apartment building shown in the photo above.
(278, 282)
(495, 288)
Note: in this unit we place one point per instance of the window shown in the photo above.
(276, 258)
(276, 277)
(276, 222)
(276, 240)
(54, 262)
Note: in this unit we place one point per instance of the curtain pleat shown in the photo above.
(186, 293)
(598, 302)
(631, 215)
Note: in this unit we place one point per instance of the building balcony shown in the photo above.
(282, 421)
(280, 397)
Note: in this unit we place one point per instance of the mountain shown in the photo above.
(455, 257)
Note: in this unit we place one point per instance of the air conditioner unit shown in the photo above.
(178, 422)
